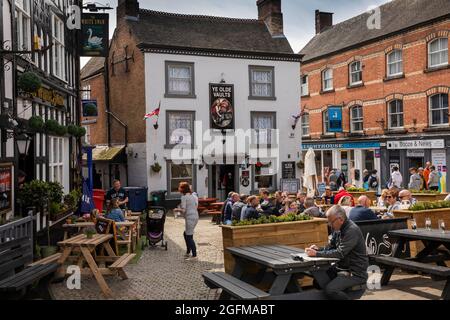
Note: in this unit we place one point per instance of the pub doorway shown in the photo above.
(223, 181)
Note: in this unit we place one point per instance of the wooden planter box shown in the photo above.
(425, 197)
(372, 195)
(300, 234)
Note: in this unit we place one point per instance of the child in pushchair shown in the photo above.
(156, 217)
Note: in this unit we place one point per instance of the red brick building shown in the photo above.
(386, 87)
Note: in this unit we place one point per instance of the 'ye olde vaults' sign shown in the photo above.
(94, 35)
(221, 107)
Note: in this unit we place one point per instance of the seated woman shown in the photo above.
(393, 203)
(382, 199)
(114, 212)
(346, 204)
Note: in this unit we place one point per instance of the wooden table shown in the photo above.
(78, 225)
(276, 266)
(84, 252)
(205, 204)
(432, 240)
(378, 209)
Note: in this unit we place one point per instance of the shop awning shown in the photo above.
(105, 153)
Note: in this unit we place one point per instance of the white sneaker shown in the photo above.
(187, 255)
(192, 259)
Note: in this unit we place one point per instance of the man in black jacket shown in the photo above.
(347, 244)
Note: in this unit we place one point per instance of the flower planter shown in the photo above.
(372, 195)
(427, 197)
(300, 234)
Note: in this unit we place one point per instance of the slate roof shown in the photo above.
(92, 67)
(156, 28)
(395, 16)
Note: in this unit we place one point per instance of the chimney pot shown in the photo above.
(324, 20)
(270, 12)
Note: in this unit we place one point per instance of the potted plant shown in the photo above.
(72, 130)
(358, 192)
(156, 167)
(428, 195)
(29, 82)
(90, 232)
(36, 123)
(51, 126)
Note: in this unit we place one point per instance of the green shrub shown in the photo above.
(291, 217)
(355, 189)
(56, 192)
(34, 194)
(424, 191)
(54, 208)
(421, 206)
(51, 126)
(81, 132)
(36, 123)
(72, 130)
(29, 82)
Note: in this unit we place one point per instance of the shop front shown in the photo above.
(351, 158)
(406, 154)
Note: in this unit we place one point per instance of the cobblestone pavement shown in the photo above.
(161, 275)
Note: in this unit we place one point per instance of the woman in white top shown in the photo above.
(189, 208)
(346, 204)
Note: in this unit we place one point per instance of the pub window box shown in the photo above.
(396, 77)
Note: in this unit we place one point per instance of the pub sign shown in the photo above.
(94, 35)
(221, 106)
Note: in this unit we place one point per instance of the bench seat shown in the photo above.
(233, 287)
(122, 261)
(27, 277)
(413, 265)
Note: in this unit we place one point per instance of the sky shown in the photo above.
(299, 17)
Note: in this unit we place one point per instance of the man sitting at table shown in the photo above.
(328, 196)
(347, 244)
(362, 212)
(406, 195)
(311, 209)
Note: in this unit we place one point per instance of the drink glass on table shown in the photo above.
(428, 224)
(414, 225)
(442, 225)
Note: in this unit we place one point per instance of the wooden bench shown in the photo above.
(233, 287)
(215, 215)
(119, 264)
(433, 270)
(17, 275)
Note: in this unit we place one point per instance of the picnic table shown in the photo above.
(205, 203)
(83, 250)
(432, 240)
(378, 209)
(276, 267)
(215, 211)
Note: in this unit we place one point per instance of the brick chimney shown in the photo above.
(269, 11)
(324, 20)
(128, 9)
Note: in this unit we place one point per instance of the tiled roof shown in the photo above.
(395, 16)
(207, 32)
(93, 66)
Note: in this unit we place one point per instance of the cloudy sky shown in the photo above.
(299, 25)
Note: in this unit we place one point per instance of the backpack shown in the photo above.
(373, 183)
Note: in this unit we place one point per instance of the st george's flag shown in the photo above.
(153, 113)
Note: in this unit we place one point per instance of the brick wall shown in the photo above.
(414, 88)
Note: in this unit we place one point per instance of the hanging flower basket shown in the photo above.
(36, 123)
(156, 167)
(301, 165)
(29, 82)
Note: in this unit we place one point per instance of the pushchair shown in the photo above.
(156, 217)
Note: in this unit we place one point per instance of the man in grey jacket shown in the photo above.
(347, 244)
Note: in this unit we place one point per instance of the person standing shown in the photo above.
(426, 174)
(333, 180)
(396, 179)
(366, 176)
(189, 208)
(373, 182)
(422, 178)
(117, 192)
(433, 179)
(415, 181)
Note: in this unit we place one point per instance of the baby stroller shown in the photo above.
(156, 217)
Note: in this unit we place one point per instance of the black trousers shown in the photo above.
(190, 244)
(334, 284)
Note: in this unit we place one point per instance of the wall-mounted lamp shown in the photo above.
(222, 77)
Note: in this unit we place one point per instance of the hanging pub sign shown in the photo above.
(221, 107)
(90, 108)
(335, 119)
(94, 35)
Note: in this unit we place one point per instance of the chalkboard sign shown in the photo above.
(288, 170)
(290, 185)
(375, 235)
(103, 226)
(321, 188)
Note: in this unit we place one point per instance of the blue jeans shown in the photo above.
(228, 222)
(190, 244)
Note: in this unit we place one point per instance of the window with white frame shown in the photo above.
(23, 25)
(305, 125)
(265, 176)
(356, 118)
(304, 85)
(438, 52)
(395, 109)
(326, 122)
(86, 92)
(56, 162)
(438, 109)
(180, 80)
(58, 48)
(263, 125)
(262, 82)
(355, 73)
(179, 173)
(327, 79)
(180, 128)
(395, 63)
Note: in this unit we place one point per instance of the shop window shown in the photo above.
(438, 53)
(304, 85)
(262, 82)
(58, 48)
(263, 125)
(395, 63)
(265, 176)
(356, 118)
(179, 173)
(396, 114)
(369, 160)
(355, 71)
(327, 79)
(180, 80)
(180, 128)
(438, 109)
(305, 125)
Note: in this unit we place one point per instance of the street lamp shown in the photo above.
(23, 144)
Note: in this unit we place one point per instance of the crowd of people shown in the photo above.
(427, 178)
